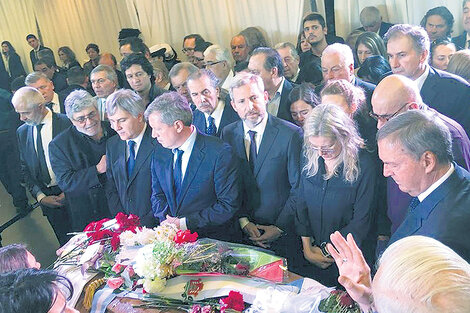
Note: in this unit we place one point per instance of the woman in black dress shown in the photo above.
(337, 188)
(12, 61)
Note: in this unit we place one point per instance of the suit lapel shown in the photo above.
(430, 88)
(31, 152)
(145, 150)
(120, 162)
(165, 163)
(240, 141)
(269, 135)
(195, 161)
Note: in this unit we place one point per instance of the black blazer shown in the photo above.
(228, 116)
(28, 156)
(15, 66)
(74, 163)
(209, 198)
(130, 195)
(449, 94)
(268, 193)
(284, 104)
(384, 27)
(459, 41)
(32, 55)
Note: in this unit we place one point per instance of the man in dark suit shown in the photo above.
(41, 126)
(267, 63)
(128, 157)
(445, 92)
(268, 151)
(79, 161)
(214, 110)
(463, 41)
(396, 94)
(36, 45)
(76, 80)
(195, 184)
(45, 86)
(104, 82)
(371, 21)
(291, 60)
(416, 149)
(179, 74)
(47, 66)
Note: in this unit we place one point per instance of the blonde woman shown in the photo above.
(337, 187)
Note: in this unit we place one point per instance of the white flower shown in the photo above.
(127, 238)
(155, 285)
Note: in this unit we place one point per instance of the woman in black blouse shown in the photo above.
(68, 58)
(337, 188)
(12, 61)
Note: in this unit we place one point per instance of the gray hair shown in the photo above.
(220, 53)
(369, 16)
(160, 67)
(33, 77)
(127, 100)
(242, 79)
(177, 68)
(343, 50)
(29, 96)
(419, 131)
(352, 94)
(293, 50)
(214, 81)
(78, 100)
(417, 34)
(110, 72)
(330, 121)
(420, 274)
(172, 107)
(459, 64)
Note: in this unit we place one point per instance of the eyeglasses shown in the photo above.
(325, 150)
(82, 119)
(207, 64)
(188, 50)
(386, 117)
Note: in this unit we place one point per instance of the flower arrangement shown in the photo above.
(338, 302)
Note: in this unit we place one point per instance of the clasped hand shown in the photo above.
(270, 234)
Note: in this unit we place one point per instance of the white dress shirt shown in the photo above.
(217, 114)
(420, 80)
(436, 184)
(137, 140)
(273, 104)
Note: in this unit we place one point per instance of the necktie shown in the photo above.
(253, 152)
(177, 172)
(413, 204)
(46, 178)
(131, 160)
(211, 130)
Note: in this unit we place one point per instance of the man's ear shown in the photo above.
(429, 161)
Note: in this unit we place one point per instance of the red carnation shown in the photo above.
(345, 300)
(233, 301)
(115, 241)
(185, 236)
(127, 222)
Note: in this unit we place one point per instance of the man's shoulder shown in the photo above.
(446, 77)
(283, 126)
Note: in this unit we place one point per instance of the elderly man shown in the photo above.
(463, 41)
(128, 157)
(290, 59)
(416, 149)
(267, 63)
(396, 94)
(104, 82)
(371, 21)
(408, 51)
(214, 111)
(41, 126)
(240, 49)
(268, 150)
(47, 66)
(218, 60)
(160, 71)
(139, 74)
(195, 179)
(179, 74)
(110, 60)
(45, 86)
(79, 161)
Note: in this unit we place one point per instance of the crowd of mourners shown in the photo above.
(326, 151)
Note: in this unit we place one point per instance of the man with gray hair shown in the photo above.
(179, 74)
(290, 60)
(416, 149)
(408, 50)
(214, 111)
(45, 86)
(160, 71)
(371, 21)
(218, 60)
(195, 179)
(79, 161)
(41, 126)
(104, 82)
(128, 157)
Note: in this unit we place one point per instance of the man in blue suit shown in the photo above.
(128, 157)
(416, 149)
(267, 63)
(408, 49)
(214, 110)
(268, 150)
(41, 126)
(195, 179)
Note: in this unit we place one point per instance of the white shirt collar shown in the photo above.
(217, 114)
(436, 184)
(259, 129)
(228, 81)
(188, 145)
(137, 140)
(47, 118)
(420, 80)
(279, 90)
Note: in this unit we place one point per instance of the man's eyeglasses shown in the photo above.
(82, 119)
(188, 50)
(207, 64)
(386, 117)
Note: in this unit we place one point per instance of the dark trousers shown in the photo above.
(57, 217)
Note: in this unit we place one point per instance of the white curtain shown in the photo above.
(393, 11)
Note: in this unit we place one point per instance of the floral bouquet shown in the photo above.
(339, 302)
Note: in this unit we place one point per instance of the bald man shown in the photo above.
(396, 94)
(110, 60)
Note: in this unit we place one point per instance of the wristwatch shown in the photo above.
(324, 250)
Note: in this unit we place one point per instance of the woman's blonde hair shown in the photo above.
(330, 121)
